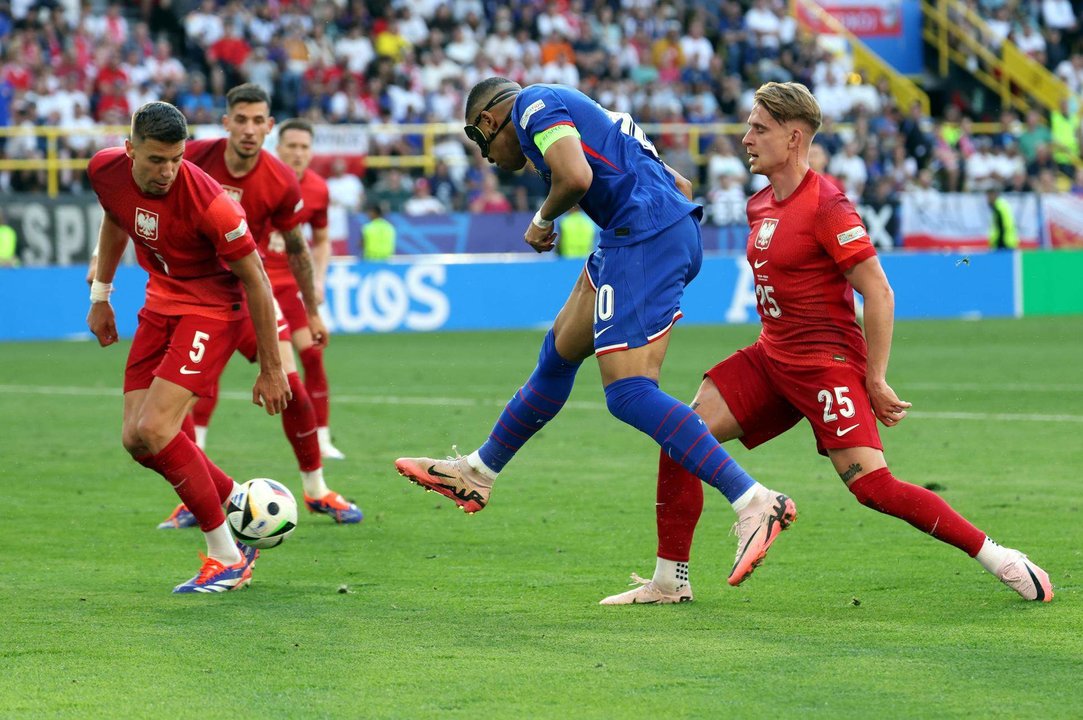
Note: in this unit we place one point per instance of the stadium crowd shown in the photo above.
(77, 65)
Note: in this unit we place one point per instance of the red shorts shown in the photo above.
(246, 341)
(189, 350)
(292, 304)
(768, 398)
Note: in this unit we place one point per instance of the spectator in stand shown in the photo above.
(490, 200)
(1059, 15)
(345, 196)
(444, 186)
(230, 53)
(901, 168)
(112, 98)
(203, 28)
(722, 161)
(1036, 133)
(726, 201)
(817, 160)
(849, 167)
(422, 202)
(355, 50)
(1030, 41)
(392, 189)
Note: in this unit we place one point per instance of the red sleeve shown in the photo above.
(841, 232)
(224, 222)
(285, 215)
(319, 212)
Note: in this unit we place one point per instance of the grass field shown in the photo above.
(854, 614)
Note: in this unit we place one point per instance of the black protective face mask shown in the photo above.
(474, 131)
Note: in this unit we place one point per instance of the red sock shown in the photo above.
(299, 423)
(223, 483)
(204, 408)
(316, 383)
(680, 502)
(922, 508)
(181, 463)
(188, 427)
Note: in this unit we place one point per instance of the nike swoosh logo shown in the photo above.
(185, 371)
(305, 434)
(1039, 590)
(759, 263)
(436, 473)
(599, 333)
(842, 431)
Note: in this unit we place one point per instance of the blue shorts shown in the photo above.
(640, 286)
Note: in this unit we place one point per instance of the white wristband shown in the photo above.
(100, 292)
(541, 222)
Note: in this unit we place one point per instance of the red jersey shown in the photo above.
(799, 249)
(181, 238)
(269, 192)
(316, 199)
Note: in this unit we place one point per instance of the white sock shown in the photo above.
(991, 555)
(475, 461)
(315, 487)
(236, 488)
(221, 546)
(746, 498)
(670, 575)
(201, 437)
(323, 434)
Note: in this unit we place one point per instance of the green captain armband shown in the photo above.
(546, 138)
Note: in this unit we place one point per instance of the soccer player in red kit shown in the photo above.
(295, 149)
(186, 231)
(809, 251)
(271, 197)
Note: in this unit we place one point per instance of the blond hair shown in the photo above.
(790, 101)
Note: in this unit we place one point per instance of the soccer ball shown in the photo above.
(261, 513)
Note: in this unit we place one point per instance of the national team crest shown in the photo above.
(234, 192)
(767, 231)
(146, 224)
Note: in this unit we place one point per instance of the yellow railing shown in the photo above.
(961, 36)
(905, 91)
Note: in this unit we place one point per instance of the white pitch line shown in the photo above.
(421, 400)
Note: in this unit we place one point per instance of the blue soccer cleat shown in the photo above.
(181, 517)
(342, 510)
(214, 577)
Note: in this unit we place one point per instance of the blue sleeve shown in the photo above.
(542, 108)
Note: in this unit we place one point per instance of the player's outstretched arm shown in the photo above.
(272, 389)
(300, 260)
(868, 278)
(112, 239)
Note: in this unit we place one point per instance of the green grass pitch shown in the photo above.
(424, 612)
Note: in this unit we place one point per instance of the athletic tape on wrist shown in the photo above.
(542, 222)
(100, 292)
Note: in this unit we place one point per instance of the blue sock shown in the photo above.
(535, 404)
(682, 434)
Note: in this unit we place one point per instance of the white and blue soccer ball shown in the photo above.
(261, 513)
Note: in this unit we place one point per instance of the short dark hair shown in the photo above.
(296, 124)
(481, 94)
(159, 121)
(247, 93)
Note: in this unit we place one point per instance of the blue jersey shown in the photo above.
(632, 197)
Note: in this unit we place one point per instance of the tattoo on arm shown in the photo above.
(850, 472)
(300, 260)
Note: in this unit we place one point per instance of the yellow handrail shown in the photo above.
(961, 36)
(905, 91)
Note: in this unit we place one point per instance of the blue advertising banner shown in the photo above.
(52, 302)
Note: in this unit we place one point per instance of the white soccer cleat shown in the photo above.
(1026, 578)
(454, 478)
(648, 593)
(327, 449)
(756, 528)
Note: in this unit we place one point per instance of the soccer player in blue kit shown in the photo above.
(621, 308)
